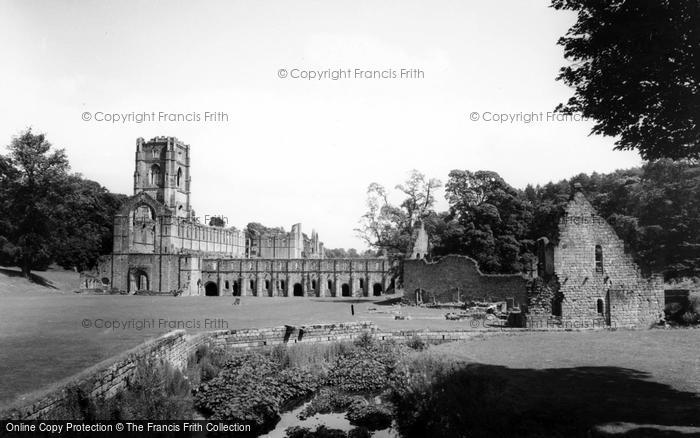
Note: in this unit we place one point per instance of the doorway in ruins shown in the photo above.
(377, 289)
(138, 281)
(211, 290)
(236, 289)
(556, 305)
(345, 290)
(298, 291)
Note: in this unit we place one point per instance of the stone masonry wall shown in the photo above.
(608, 285)
(454, 278)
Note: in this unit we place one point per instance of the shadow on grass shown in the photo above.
(34, 278)
(344, 300)
(487, 400)
(389, 302)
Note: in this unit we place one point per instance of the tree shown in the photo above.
(635, 72)
(32, 175)
(255, 229)
(217, 221)
(488, 220)
(342, 253)
(85, 218)
(48, 214)
(389, 227)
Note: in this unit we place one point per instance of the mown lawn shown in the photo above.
(42, 338)
(572, 381)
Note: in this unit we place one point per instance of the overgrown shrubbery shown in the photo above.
(251, 388)
(329, 401)
(157, 391)
(683, 314)
(416, 343)
(316, 356)
(370, 368)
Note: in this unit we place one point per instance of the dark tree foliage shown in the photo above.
(49, 215)
(635, 71)
(350, 253)
(488, 220)
(256, 229)
(654, 209)
(32, 174)
(86, 216)
(217, 221)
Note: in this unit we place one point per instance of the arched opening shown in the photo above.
(236, 290)
(600, 306)
(599, 259)
(377, 289)
(283, 288)
(253, 290)
(226, 285)
(211, 290)
(345, 290)
(330, 285)
(267, 285)
(138, 281)
(313, 284)
(418, 255)
(178, 178)
(298, 290)
(154, 175)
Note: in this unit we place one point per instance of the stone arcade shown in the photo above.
(161, 247)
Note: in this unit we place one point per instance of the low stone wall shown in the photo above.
(107, 378)
(103, 380)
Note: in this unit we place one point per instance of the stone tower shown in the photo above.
(163, 172)
(420, 242)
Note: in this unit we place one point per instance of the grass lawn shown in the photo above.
(573, 381)
(42, 338)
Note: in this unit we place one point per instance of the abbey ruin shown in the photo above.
(161, 247)
(584, 280)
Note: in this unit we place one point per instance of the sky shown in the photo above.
(296, 145)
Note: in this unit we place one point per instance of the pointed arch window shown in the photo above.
(155, 175)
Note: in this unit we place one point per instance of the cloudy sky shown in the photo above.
(296, 149)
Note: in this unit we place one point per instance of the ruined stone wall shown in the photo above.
(458, 278)
(597, 278)
(162, 232)
(165, 273)
(301, 277)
